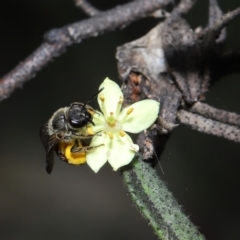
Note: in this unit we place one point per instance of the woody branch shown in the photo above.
(57, 40)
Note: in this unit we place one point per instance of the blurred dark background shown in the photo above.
(72, 203)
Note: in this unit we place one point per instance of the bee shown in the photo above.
(68, 133)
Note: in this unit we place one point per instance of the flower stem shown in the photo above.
(157, 204)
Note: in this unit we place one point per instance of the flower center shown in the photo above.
(111, 120)
(113, 126)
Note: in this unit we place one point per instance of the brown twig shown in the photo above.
(215, 114)
(215, 14)
(209, 126)
(57, 40)
(87, 7)
(184, 6)
(210, 34)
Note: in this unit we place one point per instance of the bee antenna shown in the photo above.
(89, 100)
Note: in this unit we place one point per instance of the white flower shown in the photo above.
(116, 146)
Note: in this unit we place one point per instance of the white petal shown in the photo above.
(134, 147)
(122, 151)
(99, 122)
(112, 94)
(144, 114)
(97, 157)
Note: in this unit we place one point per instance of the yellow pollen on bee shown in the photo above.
(75, 158)
(91, 111)
(129, 111)
(90, 130)
(110, 134)
(101, 97)
(121, 133)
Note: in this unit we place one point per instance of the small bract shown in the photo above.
(112, 124)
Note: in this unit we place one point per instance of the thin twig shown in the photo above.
(215, 14)
(216, 114)
(58, 39)
(210, 34)
(209, 126)
(87, 7)
(185, 6)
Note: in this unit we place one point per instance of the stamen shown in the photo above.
(110, 134)
(120, 100)
(129, 111)
(102, 106)
(121, 133)
(119, 106)
(101, 97)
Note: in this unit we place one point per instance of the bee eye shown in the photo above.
(75, 123)
(78, 117)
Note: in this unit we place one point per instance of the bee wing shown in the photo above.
(50, 160)
(49, 142)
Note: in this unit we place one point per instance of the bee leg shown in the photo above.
(89, 148)
(77, 147)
